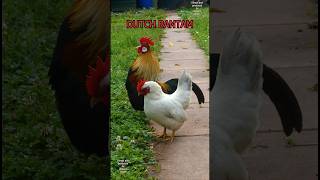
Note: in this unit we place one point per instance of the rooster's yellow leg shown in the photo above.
(164, 134)
(172, 135)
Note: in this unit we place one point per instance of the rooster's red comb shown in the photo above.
(146, 40)
(140, 84)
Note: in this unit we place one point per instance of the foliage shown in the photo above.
(200, 30)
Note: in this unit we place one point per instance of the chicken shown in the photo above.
(237, 93)
(146, 67)
(79, 77)
(168, 110)
(237, 100)
(279, 93)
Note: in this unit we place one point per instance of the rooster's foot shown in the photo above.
(164, 134)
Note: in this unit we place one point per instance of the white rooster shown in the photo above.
(236, 105)
(168, 110)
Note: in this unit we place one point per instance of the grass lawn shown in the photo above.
(130, 135)
(28, 109)
(200, 30)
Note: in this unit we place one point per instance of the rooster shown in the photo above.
(79, 76)
(166, 109)
(146, 67)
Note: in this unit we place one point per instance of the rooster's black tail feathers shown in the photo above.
(284, 100)
(196, 89)
(214, 62)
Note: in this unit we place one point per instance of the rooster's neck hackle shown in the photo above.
(146, 67)
(88, 17)
(164, 86)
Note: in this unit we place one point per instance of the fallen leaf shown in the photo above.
(184, 46)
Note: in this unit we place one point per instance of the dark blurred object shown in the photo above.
(173, 4)
(176, 4)
(214, 61)
(123, 5)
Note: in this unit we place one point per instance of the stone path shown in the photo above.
(188, 156)
(291, 48)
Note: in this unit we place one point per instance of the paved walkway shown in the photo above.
(188, 156)
(291, 48)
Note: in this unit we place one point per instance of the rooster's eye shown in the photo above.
(144, 49)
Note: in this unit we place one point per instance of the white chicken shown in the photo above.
(236, 105)
(168, 110)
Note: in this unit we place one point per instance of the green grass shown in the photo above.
(200, 30)
(30, 32)
(131, 136)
